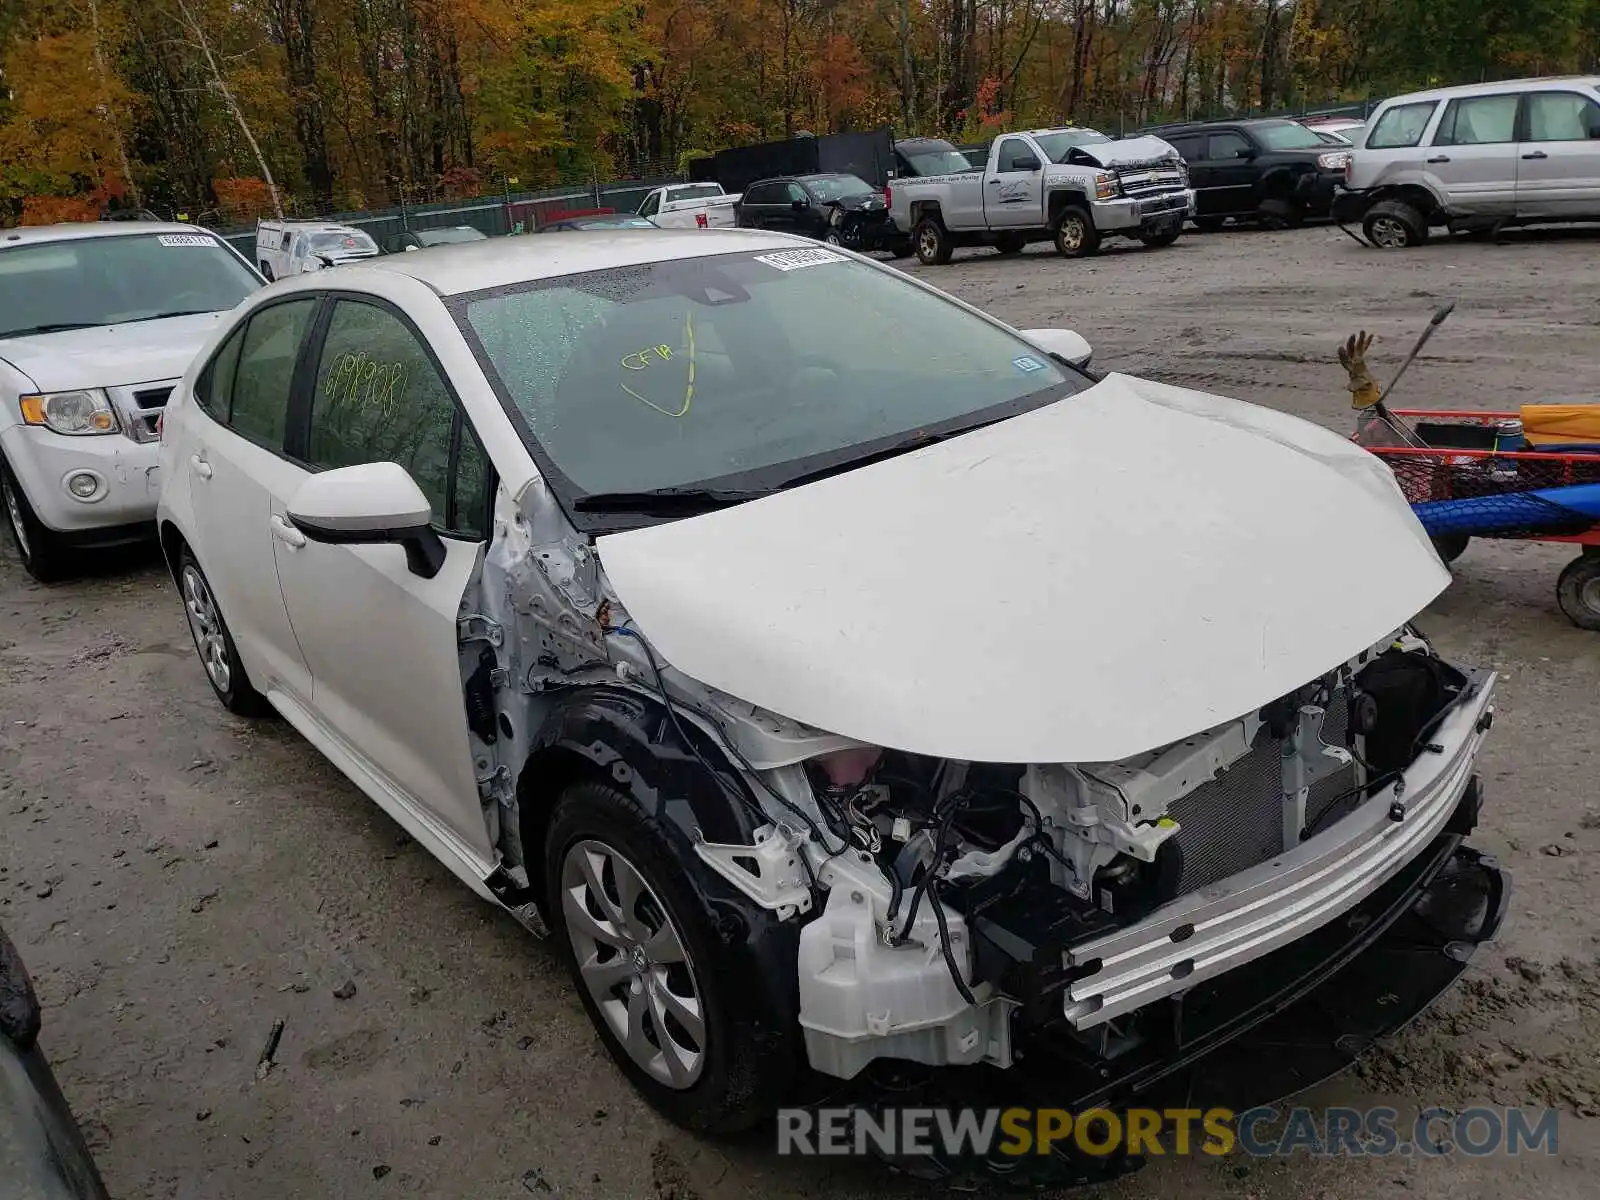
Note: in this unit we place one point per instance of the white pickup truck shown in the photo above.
(690, 206)
(1072, 186)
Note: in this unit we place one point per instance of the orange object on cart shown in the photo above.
(1561, 424)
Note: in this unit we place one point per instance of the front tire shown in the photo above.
(1277, 213)
(1075, 234)
(214, 643)
(1451, 546)
(1578, 591)
(933, 242)
(1395, 225)
(666, 972)
(44, 555)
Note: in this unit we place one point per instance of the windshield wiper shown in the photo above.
(672, 501)
(177, 312)
(57, 327)
(915, 441)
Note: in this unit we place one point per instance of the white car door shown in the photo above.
(240, 481)
(380, 641)
(1474, 154)
(1558, 167)
(1013, 195)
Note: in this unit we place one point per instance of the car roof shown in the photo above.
(1532, 83)
(70, 231)
(500, 262)
(1226, 122)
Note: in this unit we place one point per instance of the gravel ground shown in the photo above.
(178, 878)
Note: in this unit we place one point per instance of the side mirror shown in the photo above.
(1026, 163)
(800, 205)
(1247, 153)
(1062, 344)
(370, 504)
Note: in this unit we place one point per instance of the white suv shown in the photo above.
(1477, 157)
(97, 323)
(798, 644)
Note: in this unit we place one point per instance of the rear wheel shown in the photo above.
(1076, 236)
(933, 243)
(43, 554)
(1395, 225)
(214, 644)
(1578, 591)
(660, 965)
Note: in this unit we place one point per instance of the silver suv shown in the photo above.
(1478, 157)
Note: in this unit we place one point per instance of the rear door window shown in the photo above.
(262, 379)
(1562, 117)
(1401, 126)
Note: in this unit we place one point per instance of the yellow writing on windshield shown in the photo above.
(664, 353)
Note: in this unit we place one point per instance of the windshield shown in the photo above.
(1286, 135)
(107, 280)
(948, 161)
(837, 187)
(1057, 144)
(442, 237)
(694, 191)
(333, 243)
(758, 366)
(1329, 138)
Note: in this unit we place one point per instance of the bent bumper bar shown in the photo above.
(1248, 915)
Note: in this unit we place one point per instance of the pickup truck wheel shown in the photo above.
(1009, 243)
(666, 969)
(1578, 592)
(934, 246)
(1076, 236)
(1395, 225)
(42, 553)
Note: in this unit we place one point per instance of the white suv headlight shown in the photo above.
(81, 413)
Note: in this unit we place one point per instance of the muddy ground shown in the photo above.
(178, 878)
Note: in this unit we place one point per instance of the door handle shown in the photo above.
(1440, 158)
(286, 533)
(994, 183)
(1536, 154)
(199, 466)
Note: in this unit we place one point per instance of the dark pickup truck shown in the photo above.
(1270, 170)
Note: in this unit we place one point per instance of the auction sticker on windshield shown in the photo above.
(793, 260)
(184, 239)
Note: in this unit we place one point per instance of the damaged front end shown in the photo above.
(971, 907)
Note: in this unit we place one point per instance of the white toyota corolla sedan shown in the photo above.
(837, 673)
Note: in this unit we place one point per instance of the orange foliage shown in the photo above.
(243, 200)
(47, 210)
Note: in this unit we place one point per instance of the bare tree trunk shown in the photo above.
(105, 99)
(203, 44)
(908, 87)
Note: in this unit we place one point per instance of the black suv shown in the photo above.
(1271, 170)
(841, 209)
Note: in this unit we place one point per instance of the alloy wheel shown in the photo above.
(1389, 233)
(205, 622)
(634, 963)
(1071, 234)
(927, 243)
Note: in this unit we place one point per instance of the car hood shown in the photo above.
(110, 355)
(1086, 581)
(1122, 153)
